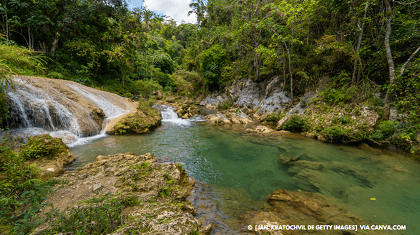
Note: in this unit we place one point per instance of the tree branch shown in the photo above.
(408, 61)
(404, 3)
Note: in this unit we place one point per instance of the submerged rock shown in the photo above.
(302, 208)
(260, 130)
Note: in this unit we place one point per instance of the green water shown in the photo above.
(248, 162)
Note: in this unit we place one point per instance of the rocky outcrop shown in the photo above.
(51, 155)
(334, 123)
(153, 194)
(252, 97)
(61, 105)
(144, 120)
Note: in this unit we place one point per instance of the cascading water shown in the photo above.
(61, 108)
(170, 116)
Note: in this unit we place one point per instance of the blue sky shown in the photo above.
(176, 9)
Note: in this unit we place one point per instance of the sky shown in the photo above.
(176, 9)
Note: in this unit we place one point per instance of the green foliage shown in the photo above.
(273, 117)
(295, 123)
(212, 62)
(226, 104)
(188, 83)
(332, 96)
(383, 130)
(20, 190)
(146, 87)
(142, 166)
(334, 133)
(14, 60)
(42, 146)
(165, 191)
(100, 215)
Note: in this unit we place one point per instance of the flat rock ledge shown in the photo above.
(153, 194)
(228, 118)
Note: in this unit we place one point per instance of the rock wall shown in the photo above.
(261, 98)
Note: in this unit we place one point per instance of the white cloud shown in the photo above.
(176, 9)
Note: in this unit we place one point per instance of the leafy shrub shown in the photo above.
(164, 79)
(333, 96)
(146, 87)
(273, 117)
(295, 123)
(42, 146)
(383, 130)
(20, 189)
(95, 216)
(334, 133)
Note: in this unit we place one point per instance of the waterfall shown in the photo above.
(63, 109)
(170, 116)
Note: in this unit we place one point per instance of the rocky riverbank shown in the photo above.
(152, 195)
(312, 115)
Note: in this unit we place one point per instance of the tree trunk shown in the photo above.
(256, 58)
(30, 39)
(359, 43)
(290, 71)
(7, 22)
(55, 43)
(389, 58)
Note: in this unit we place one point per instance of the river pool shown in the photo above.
(382, 188)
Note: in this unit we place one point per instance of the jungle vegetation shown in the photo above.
(360, 46)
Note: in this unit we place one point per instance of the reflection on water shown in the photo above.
(250, 164)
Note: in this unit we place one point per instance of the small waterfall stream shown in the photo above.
(64, 109)
(170, 116)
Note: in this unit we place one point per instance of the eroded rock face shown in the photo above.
(264, 97)
(49, 154)
(57, 105)
(154, 193)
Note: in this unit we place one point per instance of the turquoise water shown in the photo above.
(232, 158)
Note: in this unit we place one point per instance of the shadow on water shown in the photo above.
(238, 170)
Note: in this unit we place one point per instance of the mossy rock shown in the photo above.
(51, 155)
(144, 120)
(43, 146)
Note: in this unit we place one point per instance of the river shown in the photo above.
(381, 188)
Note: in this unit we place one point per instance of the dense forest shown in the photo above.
(355, 48)
(348, 51)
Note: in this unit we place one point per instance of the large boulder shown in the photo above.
(143, 120)
(51, 155)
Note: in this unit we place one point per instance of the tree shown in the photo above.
(390, 60)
